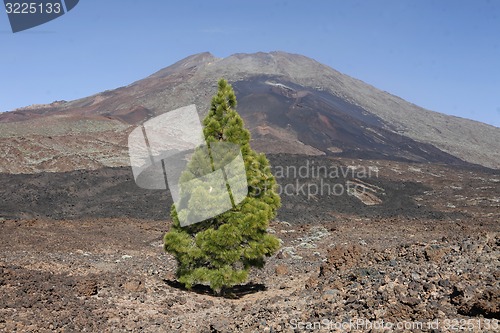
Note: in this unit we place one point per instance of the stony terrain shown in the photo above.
(430, 259)
(112, 276)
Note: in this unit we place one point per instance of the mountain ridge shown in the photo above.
(193, 79)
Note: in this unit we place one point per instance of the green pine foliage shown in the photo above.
(220, 251)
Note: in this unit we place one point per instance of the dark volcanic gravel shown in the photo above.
(112, 192)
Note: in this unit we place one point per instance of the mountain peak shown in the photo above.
(191, 61)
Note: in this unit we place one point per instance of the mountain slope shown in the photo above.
(292, 104)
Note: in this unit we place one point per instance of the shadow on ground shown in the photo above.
(235, 292)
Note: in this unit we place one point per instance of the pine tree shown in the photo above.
(221, 250)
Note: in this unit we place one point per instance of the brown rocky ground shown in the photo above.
(112, 276)
(429, 258)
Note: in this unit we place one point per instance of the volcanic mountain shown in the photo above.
(292, 104)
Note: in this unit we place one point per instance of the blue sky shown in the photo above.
(442, 55)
